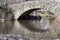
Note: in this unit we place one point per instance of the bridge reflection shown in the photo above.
(30, 18)
(17, 27)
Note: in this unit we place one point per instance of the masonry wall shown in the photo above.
(52, 6)
(10, 2)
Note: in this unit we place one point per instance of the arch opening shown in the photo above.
(27, 14)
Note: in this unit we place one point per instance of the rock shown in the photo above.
(20, 39)
(56, 39)
(11, 39)
(4, 38)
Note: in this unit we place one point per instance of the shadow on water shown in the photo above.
(29, 25)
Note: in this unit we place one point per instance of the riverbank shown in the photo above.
(19, 37)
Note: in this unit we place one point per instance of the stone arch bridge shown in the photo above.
(20, 8)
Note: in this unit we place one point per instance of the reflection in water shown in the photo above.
(18, 27)
(34, 25)
(26, 28)
(6, 26)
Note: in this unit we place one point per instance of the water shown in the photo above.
(27, 28)
(18, 26)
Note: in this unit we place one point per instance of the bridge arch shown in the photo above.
(20, 8)
(28, 12)
(40, 10)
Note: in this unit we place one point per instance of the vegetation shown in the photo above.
(5, 8)
(7, 11)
